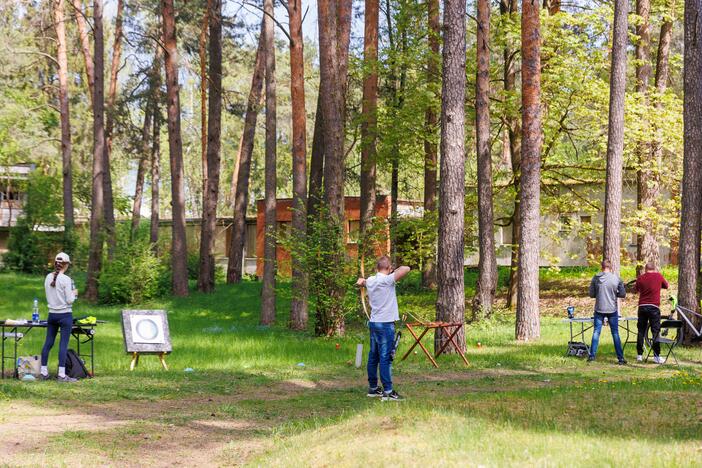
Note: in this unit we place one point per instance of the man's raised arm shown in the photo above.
(401, 272)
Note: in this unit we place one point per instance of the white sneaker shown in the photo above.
(659, 360)
(639, 358)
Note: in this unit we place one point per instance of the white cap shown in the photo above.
(63, 258)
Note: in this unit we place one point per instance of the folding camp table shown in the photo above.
(577, 340)
(15, 331)
(448, 328)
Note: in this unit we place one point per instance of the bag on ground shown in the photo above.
(75, 367)
(28, 365)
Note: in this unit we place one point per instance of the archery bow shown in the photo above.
(363, 288)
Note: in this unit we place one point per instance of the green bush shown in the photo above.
(136, 274)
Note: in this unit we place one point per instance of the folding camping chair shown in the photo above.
(665, 340)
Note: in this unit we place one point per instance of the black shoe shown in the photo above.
(590, 358)
(622, 362)
(392, 396)
(375, 392)
(44, 377)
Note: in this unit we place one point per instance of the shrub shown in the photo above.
(136, 274)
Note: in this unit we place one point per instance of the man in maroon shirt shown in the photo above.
(649, 287)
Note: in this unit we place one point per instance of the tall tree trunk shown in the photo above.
(206, 276)
(615, 138)
(97, 206)
(241, 199)
(450, 303)
(656, 147)
(316, 165)
(430, 123)
(156, 148)
(269, 246)
(202, 53)
(395, 150)
(369, 120)
(109, 125)
(179, 247)
(66, 147)
(514, 134)
(317, 160)
(155, 177)
(298, 311)
(689, 250)
(331, 88)
(487, 266)
(646, 176)
(527, 324)
(141, 170)
(85, 46)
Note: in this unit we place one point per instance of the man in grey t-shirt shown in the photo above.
(606, 287)
(384, 313)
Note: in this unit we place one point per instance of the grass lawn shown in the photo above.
(251, 401)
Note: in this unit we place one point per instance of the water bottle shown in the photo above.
(35, 311)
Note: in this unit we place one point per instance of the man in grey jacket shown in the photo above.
(605, 288)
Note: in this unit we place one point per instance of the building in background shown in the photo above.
(12, 198)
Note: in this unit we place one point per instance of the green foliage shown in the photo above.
(135, 274)
(34, 240)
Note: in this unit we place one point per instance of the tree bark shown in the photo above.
(487, 265)
(269, 246)
(109, 125)
(202, 53)
(155, 177)
(450, 304)
(527, 325)
(689, 250)
(514, 132)
(206, 276)
(369, 120)
(97, 206)
(241, 200)
(317, 160)
(179, 248)
(656, 147)
(647, 174)
(298, 311)
(85, 46)
(615, 138)
(316, 165)
(333, 52)
(141, 170)
(394, 104)
(430, 123)
(156, 149)
(66, 147)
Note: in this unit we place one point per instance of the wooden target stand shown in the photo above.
(135, 360)
(451, 329)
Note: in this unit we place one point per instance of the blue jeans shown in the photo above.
(56, 322)
(613, 320)
(382, 338)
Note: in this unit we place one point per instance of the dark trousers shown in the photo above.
(649, 316)
(56, 322)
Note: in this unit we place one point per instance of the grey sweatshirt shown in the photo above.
(60, 298)
(606, 287)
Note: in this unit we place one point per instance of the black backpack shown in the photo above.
(75, 367)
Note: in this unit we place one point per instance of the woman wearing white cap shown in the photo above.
(60, 295)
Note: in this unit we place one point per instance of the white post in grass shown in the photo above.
(359, 355)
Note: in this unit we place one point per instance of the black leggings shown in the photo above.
(56, 322)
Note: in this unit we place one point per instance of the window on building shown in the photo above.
(353, 228)
(566, 225)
